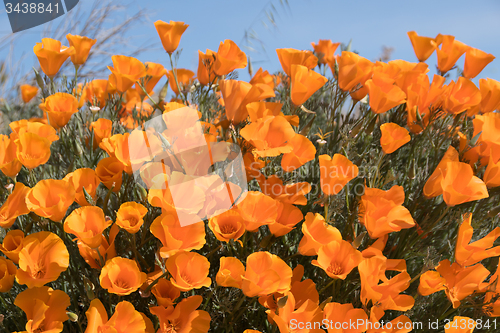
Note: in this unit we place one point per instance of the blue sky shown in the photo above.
(369, 24)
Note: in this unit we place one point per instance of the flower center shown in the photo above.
(121, 283)
(227, 228)
(335, 268)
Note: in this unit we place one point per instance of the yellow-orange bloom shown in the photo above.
(52, 55)
(423, 46)
(185, 78)
(12, 245)
(337, 259)
(325, 50)
(206, 61)
(460, 96)
(451, 50)
(9, 164)
(96, 92)
(353, 70)
(165, 293)
(228, 225)
(490, 95)
(102, 129)
(125, 72)
(87, 224)
(341, 315)
(59, 108)
(130, 216)
(288, 217)
(121, 276)
(257, 209)
(83, 178)
(316, 233)
(302, 152)
(170, 34)
(50, 198)
(335, 173)
(383, 95)
(45, 309)
(7, 274)
(289, 57)
(125, 319)
(28, 92)
(475, 61)
(393, 137)
(155, 72)
(96, 258)
(189, 270)
(110, 170)
(229, 57)
(14, 206)
(82, 46)
(230, 272)
(42, 259)
(290, 315)
(459, 184)
(305, 83)
(32, 150)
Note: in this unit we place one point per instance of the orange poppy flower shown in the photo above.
(126, 72)
(118, 146)
(460, 96)
(460, 325)
(59, 108)
(155, 72)
(184, 318)
(432, 187)
(487, 127)
(83, 178)
(289, 57)
(125, 319)
(28, 92)
(458, 282)
(451, 49)
(229, 57)
(341, 315)
(121, 276)
(305, 83)
(288, 217)
(237, 95)
(306, 318)
(7, 274)
(165, 293)
(383, 95)
(353, 70)
(170, 34)
(14, 206)
(96, 92)
(393, 137)
(102, 130)
(337, 259)
(263, 79)
(52, 55)
(189, 270)
(50, 198)
(24, 126)
(230, 272)
(82, 46)
(42, 259)
(32, 150)
(423, 46)
(325, 50)
(12, 245)
(335, 173)
(257, 209)
(291, 193)
(87, 224)
(490, 95)
(381, 212)
(265, 274)
(459, 184)
(228, 225)
(475, 61)
(109, 170)
(206, 61)
(130, 216)
(491, 175)
(9, 164)
(44, 307)
(185, 78)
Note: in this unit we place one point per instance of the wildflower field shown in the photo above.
(337, 195)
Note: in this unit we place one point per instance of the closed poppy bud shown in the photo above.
(325, 50)
(230, 272)
(50, 198)
(353, 70)
(185, 78)
(59, 108)
(335, 173)
(228, 225)
(9, 164)
(289, 57)
(14, 206)
(110, 171)
(189, 270)
(206, 61)
(28, 92)
(265, 274)
(42, 259)
(165, 293)
(12, 245)
(337, 259)
(229, 57)
(32, 150)
(87, 224)
(475, 61)
(52, 55)
(83, 178)
(125, 72)
(490, 95)
(82, 47)
(7, 274)
(383, 95)
(423, 46)
(393, 137)
(305, 83)
(130, 216)
(460, 96)
(121, 276)
(451, 50)
(170, 34)
(102, 129)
